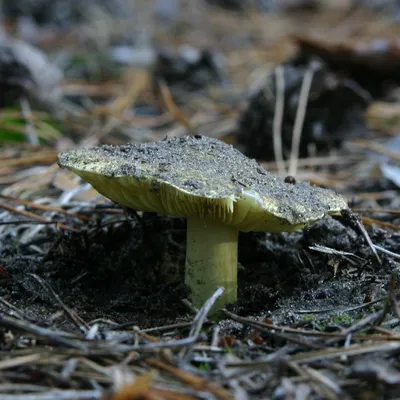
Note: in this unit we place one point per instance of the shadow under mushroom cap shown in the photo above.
(200, 176)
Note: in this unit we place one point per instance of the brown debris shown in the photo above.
(378, 57)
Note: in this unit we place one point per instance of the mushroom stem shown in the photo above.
(211, 261)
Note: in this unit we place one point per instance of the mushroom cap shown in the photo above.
(203, 177)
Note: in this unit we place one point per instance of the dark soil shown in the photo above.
(133, 271)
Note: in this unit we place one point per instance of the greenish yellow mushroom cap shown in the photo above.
(200, 177)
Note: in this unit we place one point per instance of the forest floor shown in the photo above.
(92, 299)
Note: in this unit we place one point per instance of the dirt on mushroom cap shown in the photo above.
(202, 168)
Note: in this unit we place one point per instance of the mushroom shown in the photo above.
(218, 189)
